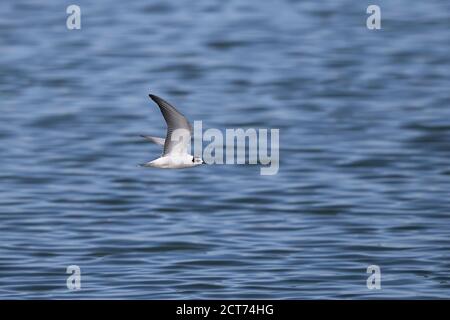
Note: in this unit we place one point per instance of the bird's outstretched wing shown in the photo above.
(179, 130)
(156, 140)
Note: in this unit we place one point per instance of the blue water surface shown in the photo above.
(364, 178)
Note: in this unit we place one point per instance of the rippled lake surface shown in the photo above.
(364, 178)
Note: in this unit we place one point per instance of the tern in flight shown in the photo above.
(179, 131)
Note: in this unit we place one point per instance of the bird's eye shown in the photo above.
(193, 159)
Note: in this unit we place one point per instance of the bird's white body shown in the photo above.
(179, 131)
(174, 162)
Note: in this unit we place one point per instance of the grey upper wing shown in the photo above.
(156, 140)
(175, 120)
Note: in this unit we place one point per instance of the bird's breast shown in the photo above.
(173, 162)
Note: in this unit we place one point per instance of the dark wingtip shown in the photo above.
(153, 97)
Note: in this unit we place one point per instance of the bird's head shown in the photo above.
(197, 160)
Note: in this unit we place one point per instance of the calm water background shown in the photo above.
(364, 121)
